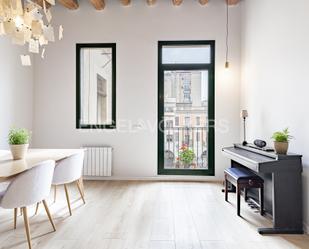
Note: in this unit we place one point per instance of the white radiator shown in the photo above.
(97, 161)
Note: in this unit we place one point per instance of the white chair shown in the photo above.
(28, 188)
(67, 171)
(3, 187)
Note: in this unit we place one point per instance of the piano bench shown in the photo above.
(245, 179)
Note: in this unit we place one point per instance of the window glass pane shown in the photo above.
(187, 121)
(185, 117)
(198, 120)
(194, 54)
(176, 121)
(96, 86)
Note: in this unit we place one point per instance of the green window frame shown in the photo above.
(79, 47)
(210, 67)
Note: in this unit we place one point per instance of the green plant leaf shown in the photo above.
(282, 136)
(186, 155)
(18, 136)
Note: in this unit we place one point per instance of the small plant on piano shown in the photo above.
(281, 141)
(186, 156)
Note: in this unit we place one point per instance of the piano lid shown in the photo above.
(247, 158)
(262, 161)
(272, 155)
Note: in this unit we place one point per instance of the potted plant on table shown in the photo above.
(281, 141)
(19, 142)
(186, 156)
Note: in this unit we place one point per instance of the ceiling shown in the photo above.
(100, 4)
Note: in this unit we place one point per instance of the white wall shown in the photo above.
(275, 79)
(136, 30)
(16, 90)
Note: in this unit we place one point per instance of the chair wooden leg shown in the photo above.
(15, 217)
(37, 208)
(26, 221)
(68, 199)
(80, 191)
(81, 184)
(55, 193)
(238, 200)
(48, 214)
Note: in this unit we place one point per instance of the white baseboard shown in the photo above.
(154, 178)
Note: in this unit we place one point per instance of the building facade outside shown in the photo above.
(185, 118)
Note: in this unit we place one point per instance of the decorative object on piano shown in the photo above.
(244, 115)
(260, 143)
(281, 141)
(186, 156)
(19, 142)
(27, 22)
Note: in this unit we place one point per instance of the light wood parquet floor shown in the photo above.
(145, 215)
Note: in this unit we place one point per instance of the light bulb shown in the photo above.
(19, 21)
(227, 65)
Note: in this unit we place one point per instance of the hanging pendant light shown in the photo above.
(28, 23)
(227, 63)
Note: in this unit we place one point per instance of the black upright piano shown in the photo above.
(282, 175)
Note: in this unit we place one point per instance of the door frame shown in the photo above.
(211, 107)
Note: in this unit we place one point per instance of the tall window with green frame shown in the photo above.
(186, 82)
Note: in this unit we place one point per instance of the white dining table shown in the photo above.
(9, 167)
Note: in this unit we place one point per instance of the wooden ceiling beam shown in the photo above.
(177, 2)
(203, 2)
(126, 2)
(70, 4)
(151, 2)
(232, 2)
(98, 4)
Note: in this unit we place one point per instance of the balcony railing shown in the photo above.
(194, 138)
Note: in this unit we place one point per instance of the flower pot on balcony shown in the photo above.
(193, 166)
(281, 147)
(19, 151)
